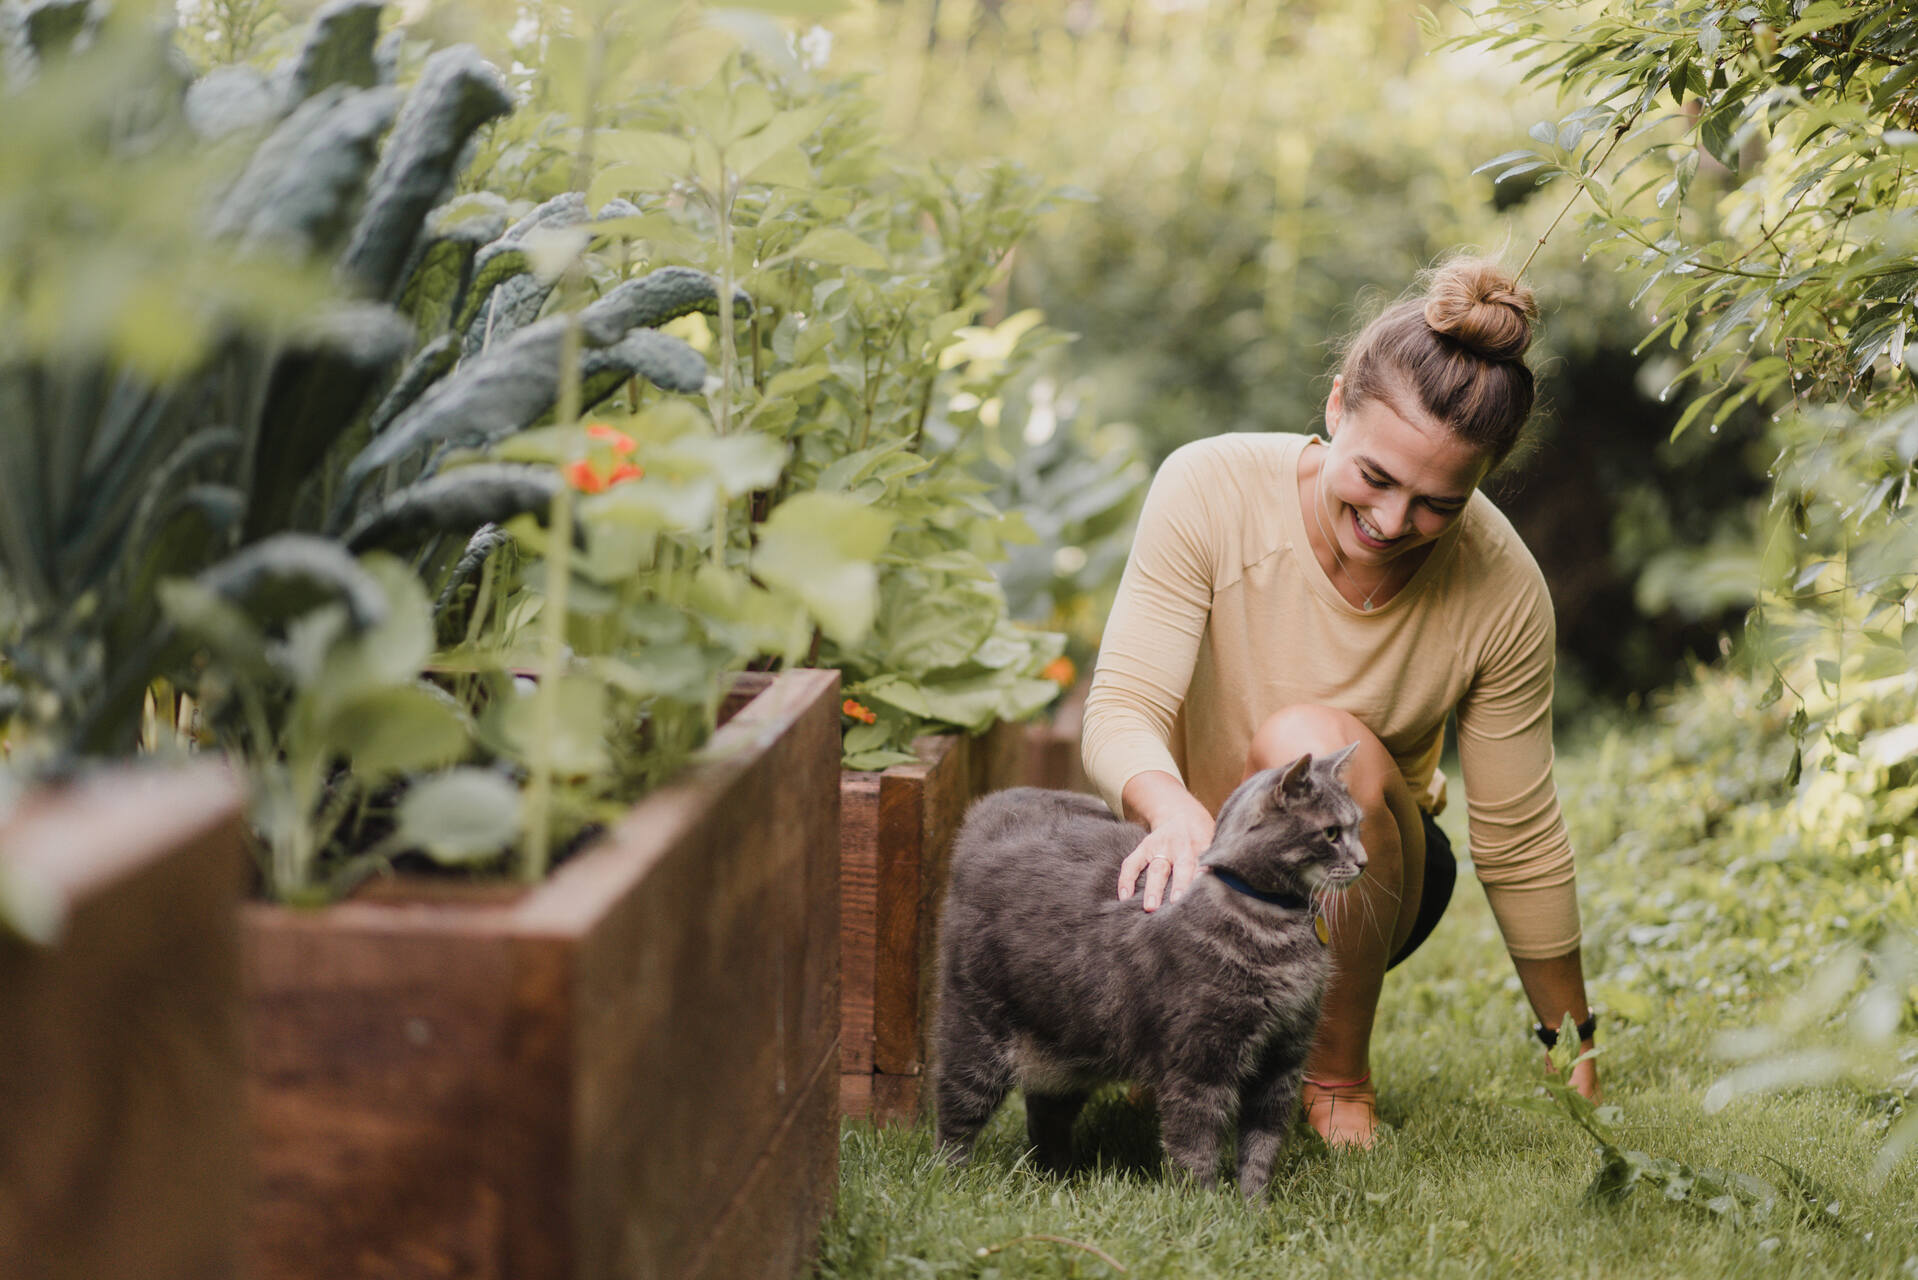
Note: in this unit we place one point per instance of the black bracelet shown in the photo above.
(1548, 1036)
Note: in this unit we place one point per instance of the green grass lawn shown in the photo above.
(1462, 1183)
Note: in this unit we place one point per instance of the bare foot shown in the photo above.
(1344, 1115)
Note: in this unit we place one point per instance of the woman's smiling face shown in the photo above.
(1391, 484)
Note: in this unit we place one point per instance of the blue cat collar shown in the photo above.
(1291, 902)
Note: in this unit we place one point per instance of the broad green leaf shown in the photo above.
(641, 161)
(653, 503)
(757, 619)
(391, 652)
(781, 136)
(226, 629)
(792, 8)
(683, 672)
(972, 704)
(787, 168)
(838, 247)
(657, 228)
(738, 463)
(929, 625)
(460, 816)
(724, 111)
(551, 250)
(788, 382)
(876, 759)
(821, 548)
(399, 730)
(577, 747)
(1816, 17)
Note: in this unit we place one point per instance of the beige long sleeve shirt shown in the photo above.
(1225, 617)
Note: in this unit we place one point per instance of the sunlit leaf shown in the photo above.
(460, 816)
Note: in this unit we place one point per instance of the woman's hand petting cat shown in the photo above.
(1178, 830)
(1169, 857)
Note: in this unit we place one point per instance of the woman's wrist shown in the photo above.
(1556, 988)
(1548, 1033)
(1156, 799)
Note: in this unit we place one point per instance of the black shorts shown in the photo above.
(1441, 873)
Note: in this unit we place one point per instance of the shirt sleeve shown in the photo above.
(1152, 635)
(1520, 850)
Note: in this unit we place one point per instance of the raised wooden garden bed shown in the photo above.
(120, 1135)
(896, 830)
(625, 1071)
(1052, 746)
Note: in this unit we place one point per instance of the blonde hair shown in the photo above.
(1455, 351)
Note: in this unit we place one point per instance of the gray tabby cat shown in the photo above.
(1046, 981)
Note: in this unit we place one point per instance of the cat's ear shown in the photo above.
(1337, 761)
(1296, 782)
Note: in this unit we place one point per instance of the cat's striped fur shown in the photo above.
(1049, 983)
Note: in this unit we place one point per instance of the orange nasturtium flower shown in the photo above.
(858, 711)
(613, 438)
(1060, 671)
(585, 477)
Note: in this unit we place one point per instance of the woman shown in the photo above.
(1288, 594)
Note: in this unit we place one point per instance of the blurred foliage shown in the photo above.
(197, 520)
(1079, 484)
(860, 360)
(1259, 177)
(1727, 882)
(1749, 164)
(1738, 1199)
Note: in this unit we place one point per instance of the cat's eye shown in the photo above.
(1332, 834)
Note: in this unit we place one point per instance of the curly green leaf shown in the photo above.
(289, 573)
(455, 502)
(458, 91)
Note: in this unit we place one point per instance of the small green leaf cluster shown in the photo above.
(1739, 1199)
(1738, 877)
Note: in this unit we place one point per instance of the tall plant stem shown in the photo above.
(728, 339)
(1618, 134)
(728, 327)
(536, 842)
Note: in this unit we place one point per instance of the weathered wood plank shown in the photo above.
(896, 1099)
(914, 863)
(769, 1227)
(913, 836)
(120, 1058)
(855, 1093)
(997, 760)
(859, 840)
(577, 1081)
(722, 979)
(896, 854)
(1052, 756)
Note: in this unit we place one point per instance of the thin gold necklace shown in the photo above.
(1318, 514)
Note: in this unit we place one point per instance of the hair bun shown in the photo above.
(1475, 302)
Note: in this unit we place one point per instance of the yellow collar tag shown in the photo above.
(1325, 934)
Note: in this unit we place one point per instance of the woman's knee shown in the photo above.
(1372, 776)
(1305, 728)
